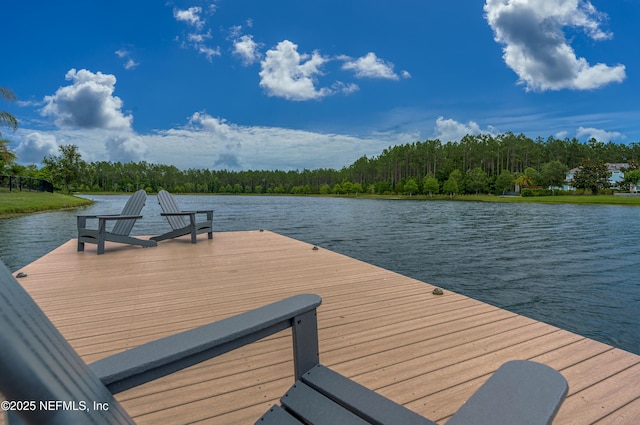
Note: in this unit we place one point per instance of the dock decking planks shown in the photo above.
(382, 329)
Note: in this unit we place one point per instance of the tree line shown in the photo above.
(483, 163)
(476, 164)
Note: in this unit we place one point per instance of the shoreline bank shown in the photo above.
(19, 203)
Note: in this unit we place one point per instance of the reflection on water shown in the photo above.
(572, 266)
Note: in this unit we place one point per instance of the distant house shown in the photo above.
(617, 175)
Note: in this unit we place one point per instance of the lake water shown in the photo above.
(572, 266)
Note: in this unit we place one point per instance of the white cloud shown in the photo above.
(87, 103)
(535, 46)
(129, 63)
(216, 126)
(35, 146)
(208, 52)
(89, 116)
(247, 50)
(370, 66)
(448, 130)
(221, 144)
(340, 87)
(197, 40)
(235, 31)
(210, 142)
(288, 74)
(598, 134)
(125, 147)
(190, 16)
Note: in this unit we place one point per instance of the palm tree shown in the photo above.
(8, 120)
(522, 181)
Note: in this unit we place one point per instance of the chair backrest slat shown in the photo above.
(132, 207)
(169, 205)
(38, 364)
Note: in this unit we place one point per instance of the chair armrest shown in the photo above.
(118, 217)
(520, 392)
(164, 214)
(162, 357)
(81, 221)
(187, 212)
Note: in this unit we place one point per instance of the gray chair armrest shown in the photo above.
(118, 217)
(177, 213)
(82, 219)
(164, 214)
(520, 392)
(162, 357)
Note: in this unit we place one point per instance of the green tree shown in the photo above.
(523, 180)
(476, 180)
(10, 121)
(357, 188)
(325, 189)
(458, 177)
(553, 174)
(411, 187)
(430, 184)
(632, 177)
(504, 181)
(533, 175)
(451, 187)
(67, 169)
(592, 174)
(7, 158)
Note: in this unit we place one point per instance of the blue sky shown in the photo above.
(296, 84)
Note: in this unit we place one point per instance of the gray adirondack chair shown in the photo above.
(182, 222)
(121, 229)
(38, 365)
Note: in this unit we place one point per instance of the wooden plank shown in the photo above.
(386, 331)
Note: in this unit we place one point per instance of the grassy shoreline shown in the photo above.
(16, 203)
(19, 203)
(559, 199)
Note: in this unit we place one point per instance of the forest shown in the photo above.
(476, 164)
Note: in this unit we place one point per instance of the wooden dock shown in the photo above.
(382, 329)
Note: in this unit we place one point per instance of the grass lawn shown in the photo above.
(16, 202)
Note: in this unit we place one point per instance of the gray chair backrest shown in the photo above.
(38, 365)
(169, 205)
(132, 207)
